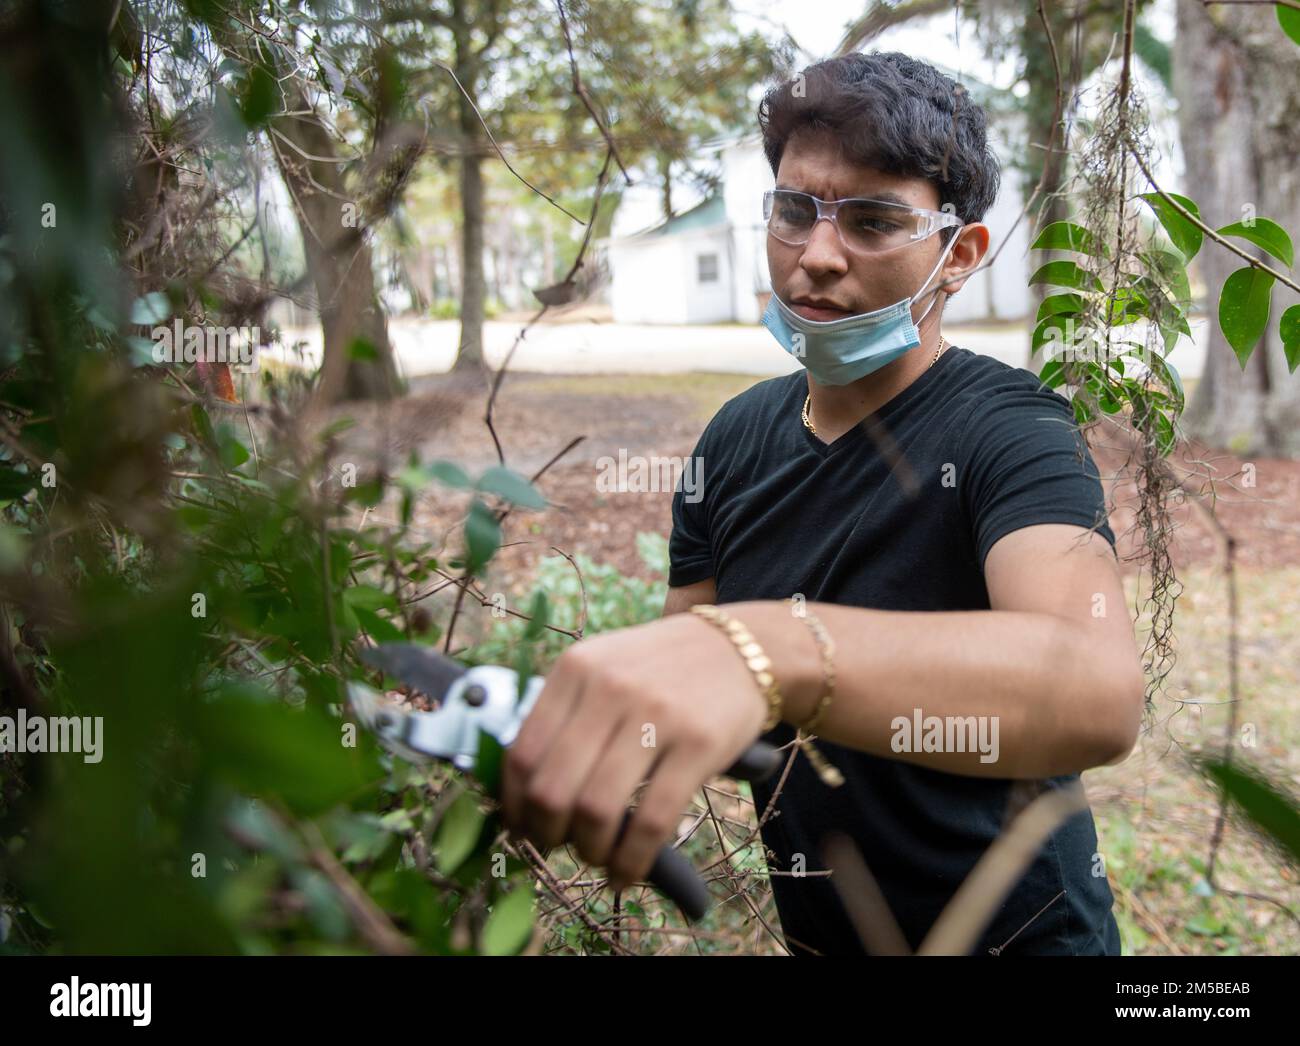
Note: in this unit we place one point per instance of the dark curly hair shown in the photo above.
(896, 114)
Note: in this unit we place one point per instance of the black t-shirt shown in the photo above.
(898, 514)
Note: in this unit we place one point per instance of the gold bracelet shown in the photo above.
(826, 647)
(755, 659)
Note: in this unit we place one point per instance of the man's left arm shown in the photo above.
(1054, 658)
(1053, 661)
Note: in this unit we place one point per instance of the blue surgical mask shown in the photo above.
(836, 352)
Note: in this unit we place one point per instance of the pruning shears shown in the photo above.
(488, 700)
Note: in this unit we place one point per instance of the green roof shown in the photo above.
(712, 211)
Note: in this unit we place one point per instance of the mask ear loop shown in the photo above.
(934, 294)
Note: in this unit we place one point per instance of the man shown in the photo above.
(936, 511)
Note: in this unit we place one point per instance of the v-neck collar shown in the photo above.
(859, 431)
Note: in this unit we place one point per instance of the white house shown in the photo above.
(709, 263)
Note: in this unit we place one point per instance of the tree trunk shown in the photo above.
(1237, 79)
(548, 254)
(666, 185)
(1040, 107)
(338, 257)
(496, 273)
(510, 278)
(473, 290)
(338, 260)
(441, 273)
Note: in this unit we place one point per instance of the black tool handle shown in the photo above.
(672, 874)
(756, 763)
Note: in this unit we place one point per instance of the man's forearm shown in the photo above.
(1041, 681)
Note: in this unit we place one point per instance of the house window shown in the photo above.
(707, 268)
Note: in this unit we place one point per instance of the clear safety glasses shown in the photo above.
(863, 225)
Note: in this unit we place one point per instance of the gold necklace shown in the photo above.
(943, 344)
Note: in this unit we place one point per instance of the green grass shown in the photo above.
(708, 390)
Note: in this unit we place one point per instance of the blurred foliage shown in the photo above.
(195, 573)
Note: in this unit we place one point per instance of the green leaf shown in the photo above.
(1168, 268)
(233, 453)
(364, 837)
(381, 630)
(348, 623)
(1289, 19)
(511, 486)
(257, 100)
(1066, 274)
(1243, 309)
(1127, 305)
(482, 536)
(272, 751)
(539, 615)
(1166, 438)
(1265, 803)
(15, 484)
(369, 493)
(13, 547)
(1101, 388)
(1061, 305)
(1172, 316)
(1204, 926)
(1053, 374)
(510, 923)
(362, 349)
(1264, 233)
(1162, 368)
(324, 909)
(450, 474)
(412, 479)
(458, 832)
(264, 831)
(1169, 335)
(367, 597)
(1058, 331)
(488, 762)
(1289, 330)
(1186, 236)
(203, 426)
(1067, 236)
(409, 895)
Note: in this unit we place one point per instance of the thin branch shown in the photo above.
(1249, 259)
